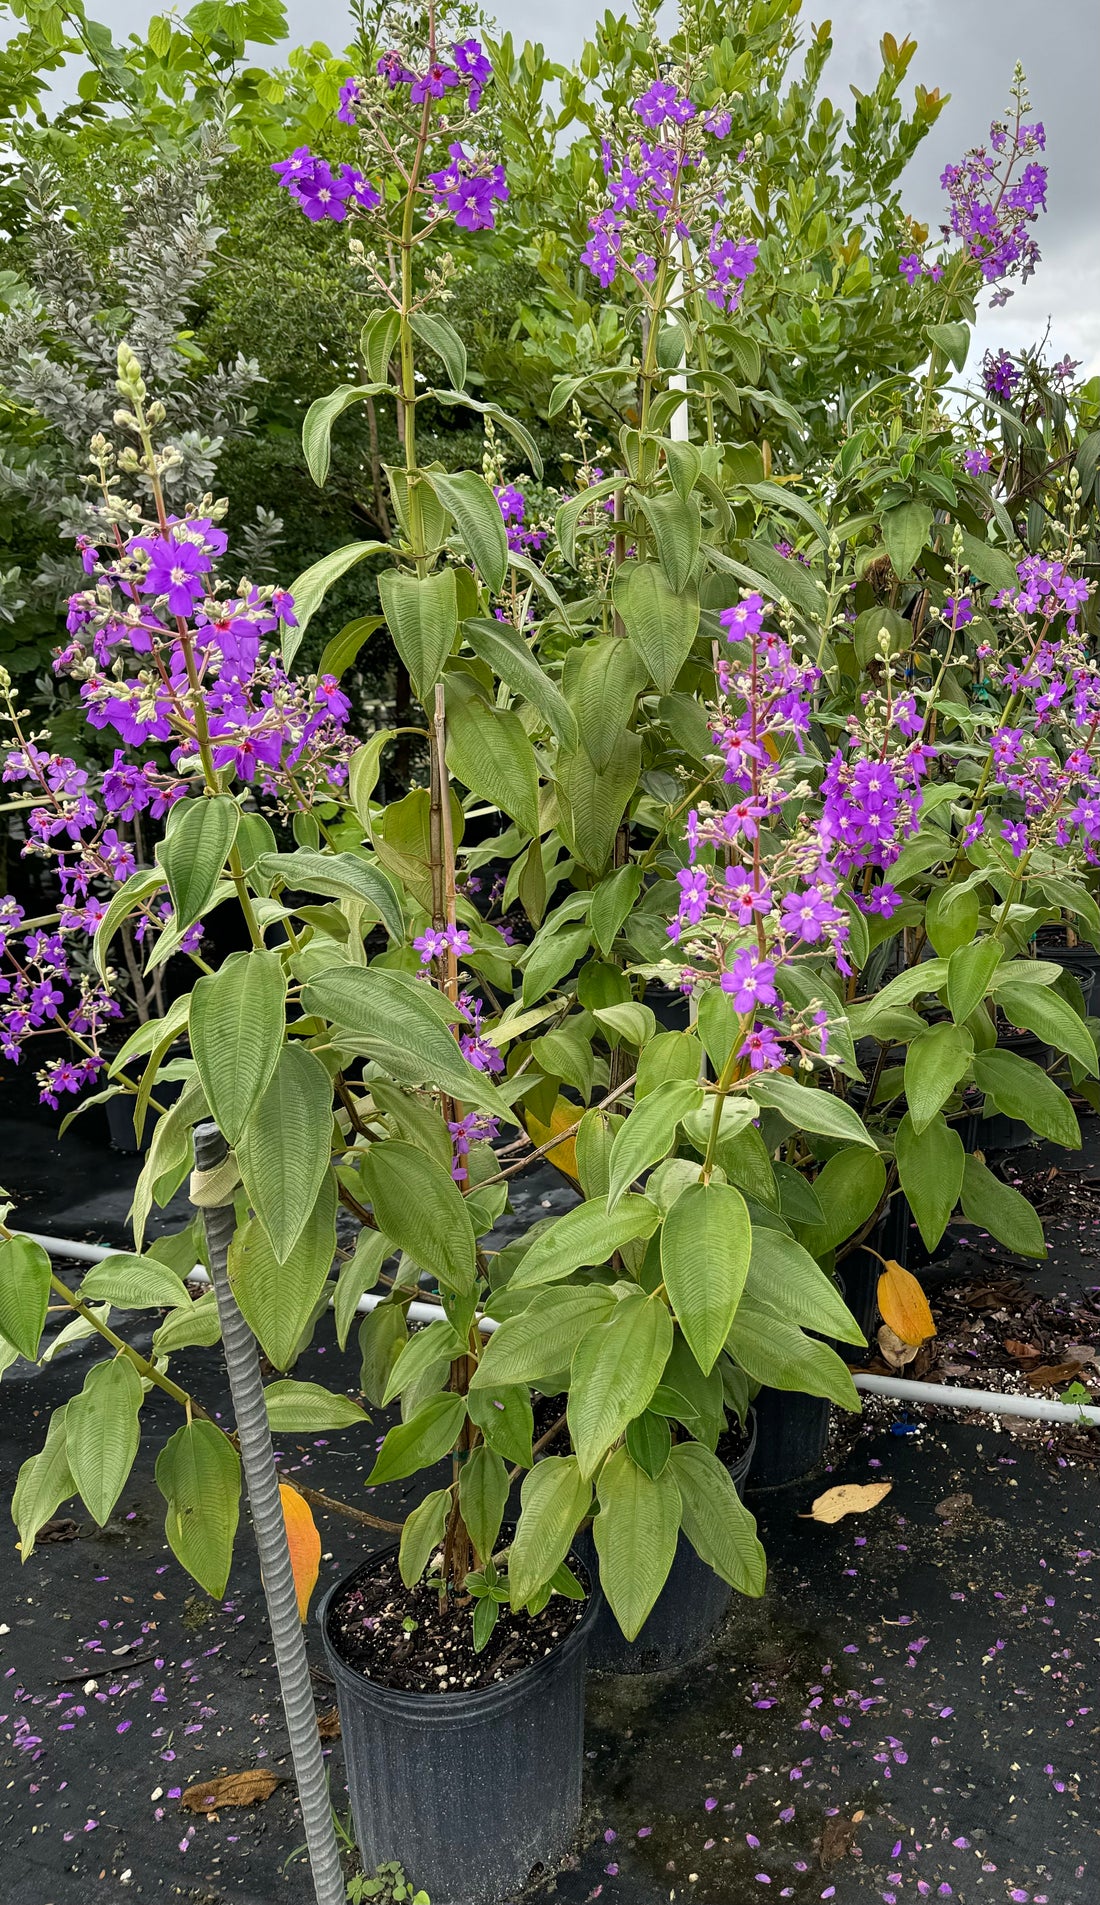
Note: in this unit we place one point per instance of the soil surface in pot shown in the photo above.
(369, 1624)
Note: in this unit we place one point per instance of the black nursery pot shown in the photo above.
(690, 1607)
(791, 1432)
(468, 1791)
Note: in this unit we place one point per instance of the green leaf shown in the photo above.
(588, 1234)
(930, 1167)
(420, 1442)
(43, 1483)
(194, 851)
(612, 900)
(784, 1276)
(554, 1500)
(669, 1055)
(314, 583)
(377, 341)
(480, 523)
(614, 1371)
(482, 1495)
(991, 565)
(929, 976)
(954, 341)
(237, 1023)
(320, 417)
(339, 653)
(24, 1293)
(808, 1109)
(848, 1188)
(934, 1064)
(420, 1537)
(661, 622)
(419, 1205)
(102, 1434)
(277, 1300)
(996, 1207)
(442, 338)
(194, 1325)
(716, 1521)
(304, 1408)
(504, 1415)
(342, 876)
(508, 655)
(489, 751)
(788, 502)
(951, 918)
(286, 1145)
(631, 1022)
(425, 1350)
(677, 526)
(649, 1440)
(776, 1352)
(570, 513)
(969, 971)
(389, 1011)
(649, 1133)
(358, 1275)
(422, 614)
(592, 803)
(383, 1334)
(602, 681)
(705, 1245)
(134, 1283)
(515, 429)
(542, 1338)
(635, 1532)
(1022, 1089)
(199, 1475)
(905, 530)
(551, 954)
(1045, 1012)
(130, 896)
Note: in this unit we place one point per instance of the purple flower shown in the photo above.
(469, 57)
(974, 830)
(750, 981)
(1015, 833)
(958, 610)
(976, 462)
(906, 719)
(1000, 375)
(434, 83)
(744, 897)
(808, 915)
(910, 267)
(762, 1049)
(176, 570)
(718, 124)
(744, 619)
(394, 71)
(433, 944)
(350, 93)
(731, 261)
(661, 101)
(467, 193)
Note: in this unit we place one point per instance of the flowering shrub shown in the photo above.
(820, 757)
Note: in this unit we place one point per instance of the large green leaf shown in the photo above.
(194, 851)
(199, 1475)
(480, 523)
(649, 1133)
(614, 1371)
(951, 918)
(43, 1483)
(383, 1334)
(570, 513)
(504, 1415)
(669, 1055)
(612, 901)
(508, 655)
(778, 1353)
(286, 1145)
(482, 1494)
(1022, 1089)
(928, 976)
(592, 804)
(102, 1434)
(194, 1325)
(320, 417)
(342, 876)
(969, 971)
(422, 614)
(542, 1338)
(442, 338)
(424, 1353)
(420, 1442)
(905, 530)
(24, 1293)
(422, 1534)
(934, 1064)
(783, 1275)
(848, 1189)
(314, 583)
(677, 525)
(1002, 1211)
(134, 1283)
(636, 1532)
(131, 895)
(488, 750)
(715, 1520)
(390, 1012)
(589, 1234)
(1045, 1012)
(358, 1275)
(601, 683)
(705, 1244)
(930, 1167)
(554, 1500)
(660, 622)
(237, 1022)
(277, 1299)
(418, 1204)
(808, 1109)
(305, 1408)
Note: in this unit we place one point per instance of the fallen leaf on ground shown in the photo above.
(893, 1350)
(230, 1789)
(838, 1837)
(1023, 1352)
(65, 1529)
(328, 1724)
(904, 1306)
(304, 1543)
(1053, 1375)
(850, 1498)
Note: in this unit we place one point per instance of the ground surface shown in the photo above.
(912, 1712)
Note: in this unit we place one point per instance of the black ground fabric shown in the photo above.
(911, 1713)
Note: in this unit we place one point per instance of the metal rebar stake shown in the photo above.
(243, 1367)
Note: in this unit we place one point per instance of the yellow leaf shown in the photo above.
(851, 1498)
(304, 1543)
(904, 1306)
(562, 1156)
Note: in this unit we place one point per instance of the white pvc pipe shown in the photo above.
(898, 1388)
(989, 1400)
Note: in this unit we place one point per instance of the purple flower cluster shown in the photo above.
(323, 191)
(513, 508)
(434, 944)
(1000, 376)
(42, 994)
(991, 207)
(468, 189)
(469, 68)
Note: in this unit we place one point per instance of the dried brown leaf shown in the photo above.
(230, 1789)
(850, 1498)
(328, 1724)
(1053, 1375)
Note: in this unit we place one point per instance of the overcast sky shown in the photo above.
(967, 48)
